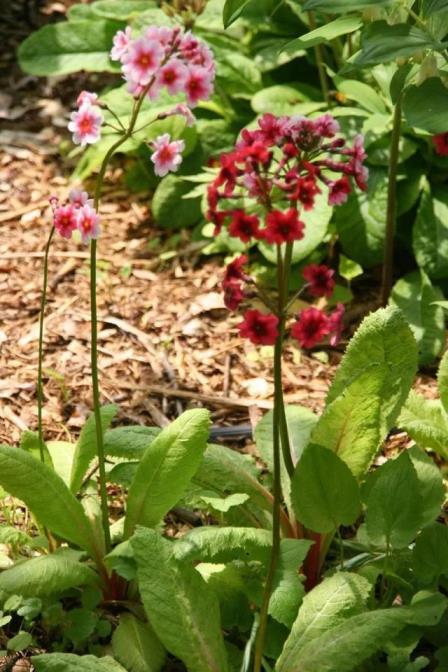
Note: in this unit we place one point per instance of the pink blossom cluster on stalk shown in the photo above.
(263, 186)
(78, 214)
(160, 58)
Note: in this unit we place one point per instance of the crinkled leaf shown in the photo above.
(426, 422)
(442, 380)
(136, 646)
(86, 446)
(68, 662)
(430, 232)
(430, 479)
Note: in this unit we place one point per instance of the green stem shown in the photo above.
(388, 262)
(94, 326)
(320, 62)
(40, 386)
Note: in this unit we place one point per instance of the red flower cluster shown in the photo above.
(440, 143)
(279, 166)
(313, 325)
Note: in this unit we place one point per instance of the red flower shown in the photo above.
(244, 226)
(336, 325)
(305, 191)
(339, 191)
(283, 227)
(218, 219)
(440, 142)
(311, 327)
(233, 295)
(234, 270)
(259, 328)
(320, 279)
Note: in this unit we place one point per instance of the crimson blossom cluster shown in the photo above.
(263, 186)
(160, 58)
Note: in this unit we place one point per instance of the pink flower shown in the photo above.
(199, 85)
(88, 222)
(339, 191)
(327, 126)
(87, 97)
(168, 154)
(336, 324)
(121, 44)
(173, 75)
(65, 219)
(85, 125)
(78, 198)
(183, 111)
(141, 60)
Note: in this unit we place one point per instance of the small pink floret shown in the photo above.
(65, 220)
(121, 44)
(142, 60)
(87, 98)
(199, 84)
(173, 76)
(88, 223)
(78, 198)
(85, 125)
(168, 154)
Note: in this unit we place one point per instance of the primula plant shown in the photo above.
(313, 557)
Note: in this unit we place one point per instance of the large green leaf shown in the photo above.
(46, 575)
(316, 225)
(120, 10)
(430, 481)
(329, 31)
(224, 544)
(383, 342)
(169, 207)
(324, 492)
(426, 422)
(342, 6)
(287, 590)
(430, 232)
(430, 554)
(233, 10)
(284, 99)
(129, 442)
(46, 494)
(344, 647)
(136, 646)
(363, 94)
(323, 609)
(181, 607)
(68, 662)
(69, 46)
(430, 7)
(361, 221)
(300, 421)
(86, 446)
(394, 504)
(415, 296)
(425, 106)
(442, 380)
(381, 42)
(166, 468)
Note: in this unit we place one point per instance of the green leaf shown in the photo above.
(442, 380)
(430, 554)
(129, 442)
(341, 6)
(80, 625)
(284, 99)
(288, 591)
(86, 446)
(430, 480)
(224, 544)
(324, 608)
(344, 647)
(381, 42)
(414, 295)
(430, 233)
(300, 421)
(316, 225)
(348, 268)
(136, 646)
(20, 642)
(329, 31)
(120, 10)
(166, 468)
(180, 606)
(425, 106)
(233, 10)
(224, 504)
(363, 94)
(426, 422)
(324, 491)
(64, 47)
(169, 207)
(46, 494)
(62, 454)
(394, 504)
(68, 662)
(361, 221)
(46, 575)
(430, 7)
(384, 343)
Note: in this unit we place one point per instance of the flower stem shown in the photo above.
(40, 386)
(388, 262)
(94, 326)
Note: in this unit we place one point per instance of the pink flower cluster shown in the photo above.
(78, 214)
(165, 58)
(280, 167)
(311, 325)
(85, 123)
(168, 154)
